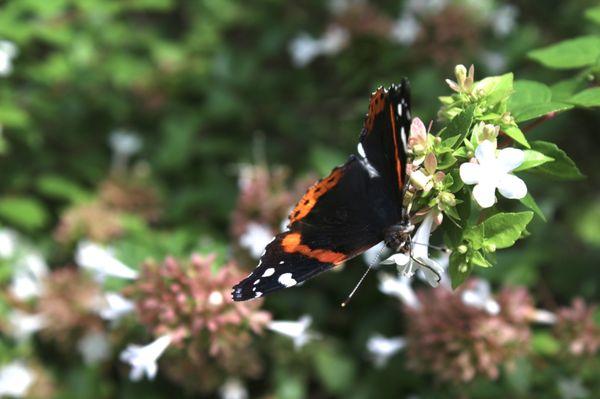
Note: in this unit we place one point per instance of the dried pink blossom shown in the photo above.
(456, 342)
(577, 329)
(210, 333)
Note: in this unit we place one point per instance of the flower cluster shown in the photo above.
(189, 306)
(456, 172)
(576, 327)
(457, 341)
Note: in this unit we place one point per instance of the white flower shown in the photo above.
(233, 389)
(94, 347)
(22, 325)
(101, 262)
(296, 330)
(400, 288)
(305, 48)
(255, 238)
(491, 172)
(143, 358)
(30, 272)
(419, 258)
(115, 306)
(373, 254)
(334, 40)
(494, 61)
(8, 243)
(504, 19)
(426, 6)
(8, 51)
(125, 142)
(382, 349)
(480, 297)
(15, 379)
(406, 29)
(444, 261)
(572, 388)
(543, 316)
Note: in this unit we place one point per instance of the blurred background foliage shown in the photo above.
(210, 88)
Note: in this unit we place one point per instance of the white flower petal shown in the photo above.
(510, 159)
(470, 173)
(398, 259)
(15, 379)
(432, 270)
(143, 358)
(512, 187)
(296, 330)
(484, 194)
(486, 152)
(372, 255)
(382, 349)
(101, 262)
(421, 238)
(255, 239)
(115, 306)
(94, 347)
(400, 288)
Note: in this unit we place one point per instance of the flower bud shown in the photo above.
(420, 180)
(447, 199)
(462, 249)
(490, 247)
(460, 71)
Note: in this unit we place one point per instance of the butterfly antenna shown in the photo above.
(436, 247)
(345, 303)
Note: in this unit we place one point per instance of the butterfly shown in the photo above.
(354, 208)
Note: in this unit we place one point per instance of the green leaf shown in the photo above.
(530, 203)
(568, 54)
(335, 369)
(593, 14)
(532, 111)
(528, 92)
(587, 98)
(478, 259)
(504, 229)
(445, 160)
(460, 124)
(544, 343)
(517, 135)
(563, 167)
(564, 89)
(497, 88)
(23, 212)
(55, 186)
(533, 159)
(459, 268)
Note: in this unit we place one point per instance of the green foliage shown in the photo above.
(569, 54)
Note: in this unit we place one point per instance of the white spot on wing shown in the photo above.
(287, 280)
(361, 150)
(269, 272)
(403, 137)
(257, 294)
(257, 281)
(281, 262)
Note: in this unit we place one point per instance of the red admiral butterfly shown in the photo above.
(357, 206)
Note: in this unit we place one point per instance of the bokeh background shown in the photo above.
(176, 135)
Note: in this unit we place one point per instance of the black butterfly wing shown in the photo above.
(384, 137)
(338, 218)
(347, 212)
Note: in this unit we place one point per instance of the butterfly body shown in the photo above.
(342, 215)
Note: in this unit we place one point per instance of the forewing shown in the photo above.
(338, 218)
(384, 136)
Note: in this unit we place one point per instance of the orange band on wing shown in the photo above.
(292, 243)
(308, 201)
(375, 107)
(398, 163)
